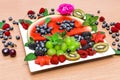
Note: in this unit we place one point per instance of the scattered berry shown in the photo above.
(17, 37)
(117, 34)
(98, 11)
(114, 29)
(7, 33)
(5, 51)
(113, 43)
(118, 45)
(42, 10)
(101, 19)
(117, 39)
(113, 35)
(10, 18)
(30, 12)
(5, 26)
(117, 25)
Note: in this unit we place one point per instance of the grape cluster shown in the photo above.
(66, 24)
(43, 30)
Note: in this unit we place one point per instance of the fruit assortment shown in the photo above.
(70, 36)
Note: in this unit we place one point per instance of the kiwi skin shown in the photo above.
(80, 15)
(101, 50)
(72, 56)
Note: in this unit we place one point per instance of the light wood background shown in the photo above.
(101, 69)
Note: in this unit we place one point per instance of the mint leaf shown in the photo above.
(94, 19)
(26, 44)
(117, 52)
(85, 23)
(1, 25)
(29, 57)
(94, 28)
(47, 20)
(45, 13)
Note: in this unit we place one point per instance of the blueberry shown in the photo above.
(87, 37)
(53, 9)
(17, 37)
(58, 23)
(32, 46)
(104, 22)
(12, 45)
(113, 43)
(3, 41)
(60, 28)
(107, 28)
(48, 30)
(36, 42)
(68, 50)
(68, 25)
(5, 37)
(9, 43)
(42, 45)
(86, 34)
(63, 26)
(76, 36)
(44, 49)
(118, 48)
(3, 21)
(113, 35)
(73, 21)
(15, 22)
(117, 39)
(117, 34)
(104, 25)
(51, 13)
(112, 23)
(68, 29)
(110, 32)
(96, 22)
(10, 18)
(1, 36)
(72, 24)
(118, 45)
(45, 26)
(5, 51)
(11, 28)
(5, 45)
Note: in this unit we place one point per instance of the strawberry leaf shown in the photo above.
(30, 57)
(1, 25)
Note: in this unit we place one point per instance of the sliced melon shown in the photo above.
(79, 28)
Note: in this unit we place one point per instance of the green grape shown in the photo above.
(77, 44)
(49, 44)
(57, 47)
(60, 52)
(72, 47)
(67, 40)
(51, 52)
(64, 47)
(72, 39)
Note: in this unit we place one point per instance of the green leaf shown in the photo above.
(55, 37)
(117, 52)
(1, 25)
(85, 23)
(26, 21)
(45, 13)
(63, 33)
(102, 32)
(48, 37)
(31, 40)
(29, 57)
(26, 44)
(94, 28)
(88, 16)
(94, 19)
(47, 20)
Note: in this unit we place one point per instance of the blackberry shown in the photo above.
(32, 46)
(39, 53)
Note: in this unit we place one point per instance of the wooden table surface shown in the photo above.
(101, 69)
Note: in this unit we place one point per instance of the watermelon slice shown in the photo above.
(78, 29)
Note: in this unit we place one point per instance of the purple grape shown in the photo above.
(12, 52)
(5, 51)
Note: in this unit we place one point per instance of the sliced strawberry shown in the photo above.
(62, 58)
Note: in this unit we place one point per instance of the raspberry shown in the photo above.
(62, 58)
(101, 19)
(30, 12)
(114, 29)
(7, 33)
(5, 26)
(83, 42)
(54, 59)
(83, 53)
(91, 52)
(117, 25)
(42, 10)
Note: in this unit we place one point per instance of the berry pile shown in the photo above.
(44, 29)
(66, 25)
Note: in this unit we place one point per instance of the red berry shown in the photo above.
(101, 19)
(91, 52)
(62, 58)
(83, 42)
(54, 59)
(83, 53)
(114, 29)
(30, 12)
(117, 25)
(7, 33)
(42, 10)
(25, 25)
(5, 26)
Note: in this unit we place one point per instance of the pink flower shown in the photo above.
(65, 9)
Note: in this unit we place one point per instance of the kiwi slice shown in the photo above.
(101, 47)
(78, 13)
(72, 56)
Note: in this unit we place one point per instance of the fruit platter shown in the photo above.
(67, 37)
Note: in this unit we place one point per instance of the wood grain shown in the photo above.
(100, 69)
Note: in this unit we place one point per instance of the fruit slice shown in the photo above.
(78, 13)
(54, 19)
(101, 47)
(72, 56)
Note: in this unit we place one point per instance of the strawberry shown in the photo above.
(117, 25)
(25, 25)
(54, 59)
(101, 19)
(7, 33)
(47, 60)
(42, 10)
(30, 12)
(83, 42)
(82, 53)
(62, 58)
(114, 29)
(5, 26)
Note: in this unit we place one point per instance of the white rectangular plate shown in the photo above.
(34, 67)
